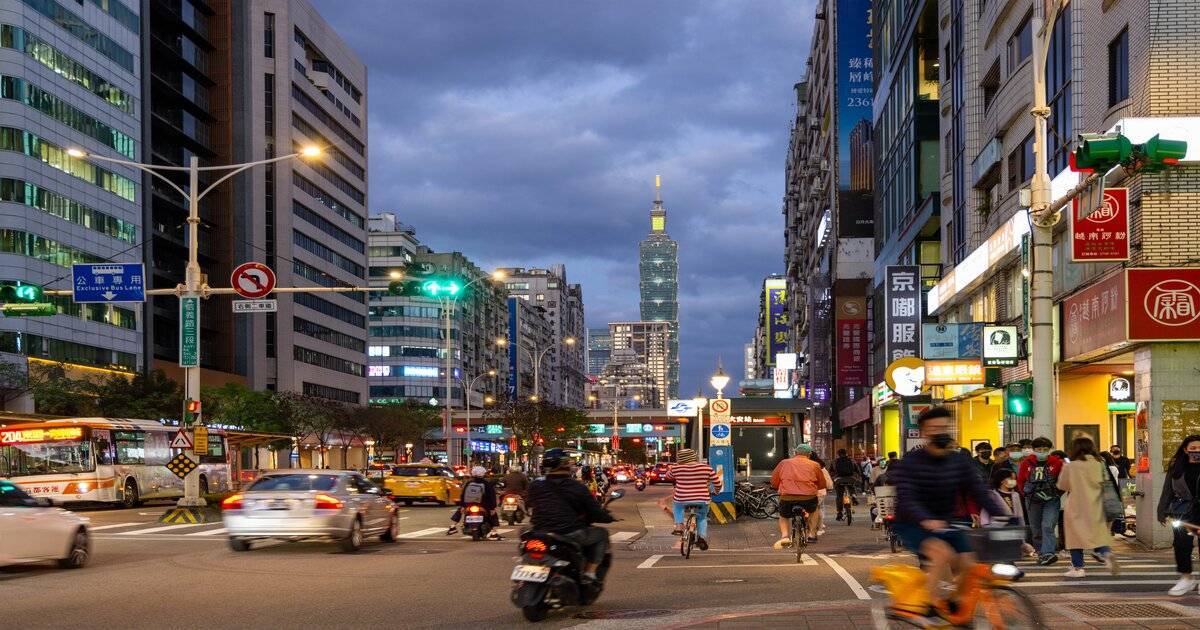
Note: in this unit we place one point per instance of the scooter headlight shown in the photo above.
(1006, 570)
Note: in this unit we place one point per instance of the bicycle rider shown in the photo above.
(798, 479)
(933, 480)
(691, 489)
(846, 478)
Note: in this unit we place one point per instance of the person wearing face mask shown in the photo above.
(934, 481)
(1178, 502)
(1037, 481)
(1004, 486)
(1123, 463)
(983, 461)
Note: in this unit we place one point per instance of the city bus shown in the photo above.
(103, 460)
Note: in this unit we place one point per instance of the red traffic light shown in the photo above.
(193, 406)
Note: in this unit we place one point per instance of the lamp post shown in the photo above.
(616, 404)
(195, 285)
(718, 381)
(467, 403)
(700, 401)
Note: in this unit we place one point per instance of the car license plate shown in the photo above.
(474, 519)
(530, 573)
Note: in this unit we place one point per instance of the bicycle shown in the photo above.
(687, 538)
(758, 502)
(984, 596)
(799, 535)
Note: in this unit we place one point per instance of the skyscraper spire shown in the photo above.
(658, 215)
(658, 268)
(657, 190)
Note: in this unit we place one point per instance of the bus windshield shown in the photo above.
(45, 458)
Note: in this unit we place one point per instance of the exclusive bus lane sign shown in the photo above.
(108, 282)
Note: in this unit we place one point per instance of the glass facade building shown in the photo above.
(658, 285)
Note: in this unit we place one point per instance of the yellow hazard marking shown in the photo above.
(723, 511)
(180, 516)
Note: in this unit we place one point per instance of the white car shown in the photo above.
(33, 530)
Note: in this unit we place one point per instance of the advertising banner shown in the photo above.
(855, 94)
(1094, 318)
(902, 311)
(1000, 346)
(851, 341)
(1163, 304)
(777, 319)
(952, 341)
(1104, 234)
(959, 372)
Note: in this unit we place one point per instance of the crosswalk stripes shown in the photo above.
(1133, 571)
(201, 531)
(622, 536)
(115, 526)
(164, 528)
(423, 532)
(210, 532)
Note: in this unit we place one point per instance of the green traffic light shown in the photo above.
(28, 293)
(1158, 154)
(1100, 152)
(438, 288)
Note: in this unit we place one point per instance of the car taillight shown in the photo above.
(889, 518)
(474, 509)
(326, 502)
(535, 549)
(232, 502)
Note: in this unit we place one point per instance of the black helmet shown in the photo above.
(553, 458)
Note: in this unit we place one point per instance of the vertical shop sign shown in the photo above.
(902, 311)
(851, 341)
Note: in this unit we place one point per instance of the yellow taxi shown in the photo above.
(423, 482)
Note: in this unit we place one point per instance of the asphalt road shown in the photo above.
(145, 574)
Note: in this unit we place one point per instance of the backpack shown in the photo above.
(1041, 482)
(473, 492)
(843, 467)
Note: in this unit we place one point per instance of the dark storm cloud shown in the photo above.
(529, 133)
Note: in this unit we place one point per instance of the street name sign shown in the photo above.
(255, 306)
(252, 280)
(108, 282)
(189, 331)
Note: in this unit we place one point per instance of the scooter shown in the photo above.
(549, 573)
(475, 521)
(512, 508)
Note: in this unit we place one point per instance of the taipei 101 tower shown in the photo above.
(658, 271)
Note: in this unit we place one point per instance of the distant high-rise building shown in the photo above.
(628, 382)
(564, 365)
(658, 271)
(651, 342)
(599, 349)
(72, 79)
(529, 331)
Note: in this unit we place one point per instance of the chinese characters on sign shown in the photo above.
(777, 319)
(902, 314)
(1163, 304)
(1094, 318)
(1103, 235)
(851, 341)
(963, 372)
(189, 332)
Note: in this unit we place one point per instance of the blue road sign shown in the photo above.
(721, 459)
(720, 431)
(109, 282)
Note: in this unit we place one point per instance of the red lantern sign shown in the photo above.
(1104, 234)
(1163, 303)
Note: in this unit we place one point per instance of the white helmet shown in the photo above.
(478, 471)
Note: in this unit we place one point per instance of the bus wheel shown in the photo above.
(129, 497)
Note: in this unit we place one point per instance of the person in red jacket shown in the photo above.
(1037, 480)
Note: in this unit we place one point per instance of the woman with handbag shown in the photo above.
(1178, 501)
(1085, 524)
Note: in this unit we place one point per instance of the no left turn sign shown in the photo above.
(252, 280)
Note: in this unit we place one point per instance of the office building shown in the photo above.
(651, 343)
(407, 346)
(530, 335)
(298, 84)
(828, 213)
(628, 382)
(70, 78)
(658, 283)
(599, 349)
(563, 302)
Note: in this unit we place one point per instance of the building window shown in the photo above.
(325, 307)
(71, 23)
(64, 66)
(316, 110)
(322, 251)
(1020, 45)
(1118, 68)
(990, 85)
(22, 192)
(331, 393)
(42, 248)
(272, 332)
(329, 362)
(21, 141)
(328, 335)
(323, 224)
(269, 35)
(1020, 163)
(66, 351)
(1058, 91)
(327, 200)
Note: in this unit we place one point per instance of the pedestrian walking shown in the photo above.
(1085, 525)
(1004, 486)
(1178, 503)
(1037, 481)
(983, 461)
(1123, 463)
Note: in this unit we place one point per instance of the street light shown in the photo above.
(194, 287)
(467, 404)
(719, 380)
(700, 401)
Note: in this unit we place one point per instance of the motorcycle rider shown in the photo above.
(516, 482)
(561, 505)
(477, 490)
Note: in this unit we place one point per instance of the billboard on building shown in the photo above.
(851, 341)
(902, 311)
(512, 348)
(776, 323)
(855, 93)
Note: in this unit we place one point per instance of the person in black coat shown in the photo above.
(562, 505)
(1178, 501)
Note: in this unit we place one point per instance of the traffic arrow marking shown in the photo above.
(108, 295)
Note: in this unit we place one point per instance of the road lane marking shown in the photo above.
(423, 532)
(210, 532)
(1102, 572)
(164, 528)
(859, 591)
(622, 536)
(1094, 583)
(96, 529)
(402, 518)
(648, 563)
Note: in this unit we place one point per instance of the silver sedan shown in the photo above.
(298, 504)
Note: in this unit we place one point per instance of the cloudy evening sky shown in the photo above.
(529, 133)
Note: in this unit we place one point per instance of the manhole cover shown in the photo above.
(1125, 611)
(623, 614)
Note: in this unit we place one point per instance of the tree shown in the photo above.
(148, 397)
(57, 394)
(14, 382)
(237, 405)
(393, 426)
(309, 416)
(529, 420)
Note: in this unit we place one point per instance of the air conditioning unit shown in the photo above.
(320, 79)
